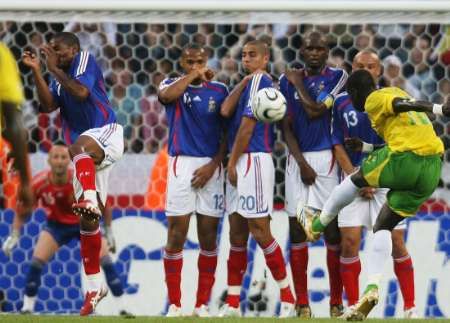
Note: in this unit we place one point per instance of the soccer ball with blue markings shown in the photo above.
(269, 105)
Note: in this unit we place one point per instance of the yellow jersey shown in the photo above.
(405, 131)
(10, 84)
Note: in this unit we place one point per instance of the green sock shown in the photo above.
(317, 226)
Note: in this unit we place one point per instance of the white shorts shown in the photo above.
(311, 195)
(253, 196)
(363, 212)
(182, 199)
(110, 139)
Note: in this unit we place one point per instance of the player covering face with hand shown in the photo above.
(249, 191)
(94, 138)
(195, 178)
(409, 165)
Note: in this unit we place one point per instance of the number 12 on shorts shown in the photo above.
(218, 201)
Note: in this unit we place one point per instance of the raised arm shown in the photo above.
(45, 97)
(407, 104)
(168, 93)
(229, 104)
(71, 86)
(325, 100)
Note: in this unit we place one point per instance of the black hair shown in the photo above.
(70, 39)
(359, 85)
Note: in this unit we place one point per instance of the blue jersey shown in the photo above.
(348, 123)
(313, 134)
(263, 135)
(94, 112)
(195, 124)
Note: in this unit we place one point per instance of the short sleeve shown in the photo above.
(165, 83)
(86, 69)
(379, 105)
(332, 88)
(10, 84)
(258, 82)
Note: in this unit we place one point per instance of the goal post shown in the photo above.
(237, 11)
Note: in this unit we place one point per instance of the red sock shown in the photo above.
(299, 268)
(334, 274)
(90, 245)
(237, 265)
(207, 263)
(350, 270)
(173, 262)
(85, 171)
(275, 262)
(404, 271)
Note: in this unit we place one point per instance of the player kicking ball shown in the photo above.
(409, 165)
(95, 140)
(352, 129)
(53, 190)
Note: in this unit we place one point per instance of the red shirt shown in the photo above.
(56, 199)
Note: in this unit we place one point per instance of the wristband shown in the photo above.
(437, 109)
(15, 233)
(367, 148)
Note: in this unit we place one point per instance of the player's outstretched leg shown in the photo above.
(341, 196)
(260, 230)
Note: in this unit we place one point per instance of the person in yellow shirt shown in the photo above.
(409, 165)
(11, 97)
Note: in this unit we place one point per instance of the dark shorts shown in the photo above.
(63, 233)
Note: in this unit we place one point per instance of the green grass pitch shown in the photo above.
(10, 318)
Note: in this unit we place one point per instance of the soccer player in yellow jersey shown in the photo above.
(11, 97)
(409, 165)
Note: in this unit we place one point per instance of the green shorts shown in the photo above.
(411, 178)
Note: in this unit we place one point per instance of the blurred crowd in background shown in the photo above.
(136, 57)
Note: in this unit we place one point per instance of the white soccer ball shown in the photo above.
(269, 105)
